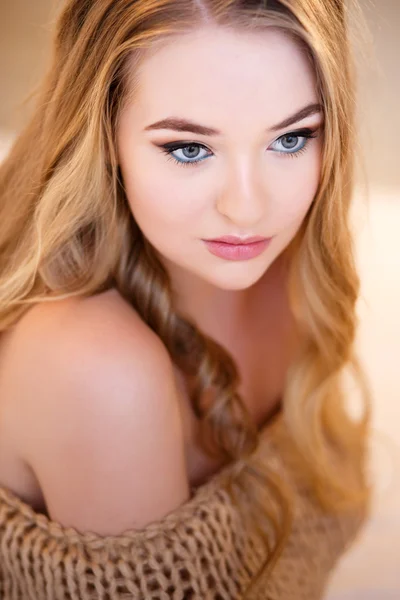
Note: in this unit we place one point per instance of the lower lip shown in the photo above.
(237, 251)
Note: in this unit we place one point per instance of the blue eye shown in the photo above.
(189, 150)
(292, 144)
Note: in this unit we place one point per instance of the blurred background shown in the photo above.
(371, 570)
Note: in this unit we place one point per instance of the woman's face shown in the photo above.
(253, 176)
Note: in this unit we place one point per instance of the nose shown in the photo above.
(242, 199)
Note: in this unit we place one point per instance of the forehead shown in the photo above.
(219, 75)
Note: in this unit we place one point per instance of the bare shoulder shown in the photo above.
(102, 314)
(99, 413)
(92, 339)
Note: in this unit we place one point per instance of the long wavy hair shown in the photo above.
(66, 230)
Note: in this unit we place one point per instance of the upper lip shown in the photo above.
(233, 239)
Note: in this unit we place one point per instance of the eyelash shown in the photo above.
(169, 148)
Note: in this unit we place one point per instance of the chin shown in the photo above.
(237, 279)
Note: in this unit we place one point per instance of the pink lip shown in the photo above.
(232, 239)
(237, 251)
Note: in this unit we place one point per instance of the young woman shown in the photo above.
(173, 415)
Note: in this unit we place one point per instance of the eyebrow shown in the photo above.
(176, 124)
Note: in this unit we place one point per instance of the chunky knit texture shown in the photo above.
(204, 550)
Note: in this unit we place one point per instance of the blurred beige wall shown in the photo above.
(380, 93)
(25, 30)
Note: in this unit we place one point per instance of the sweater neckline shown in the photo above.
(201, 496)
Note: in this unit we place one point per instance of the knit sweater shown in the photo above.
(203, 550)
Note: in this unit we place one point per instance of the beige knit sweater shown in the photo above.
(201, 551)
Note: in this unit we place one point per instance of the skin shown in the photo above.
(242, 85)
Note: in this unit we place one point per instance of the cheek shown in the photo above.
(168, 204)
(295, 186)
(161, 200)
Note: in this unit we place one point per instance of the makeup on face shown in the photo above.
(237, 251)
(209, 152)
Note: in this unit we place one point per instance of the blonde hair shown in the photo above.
(66, 229)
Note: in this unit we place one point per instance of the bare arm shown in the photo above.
(106, 440)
